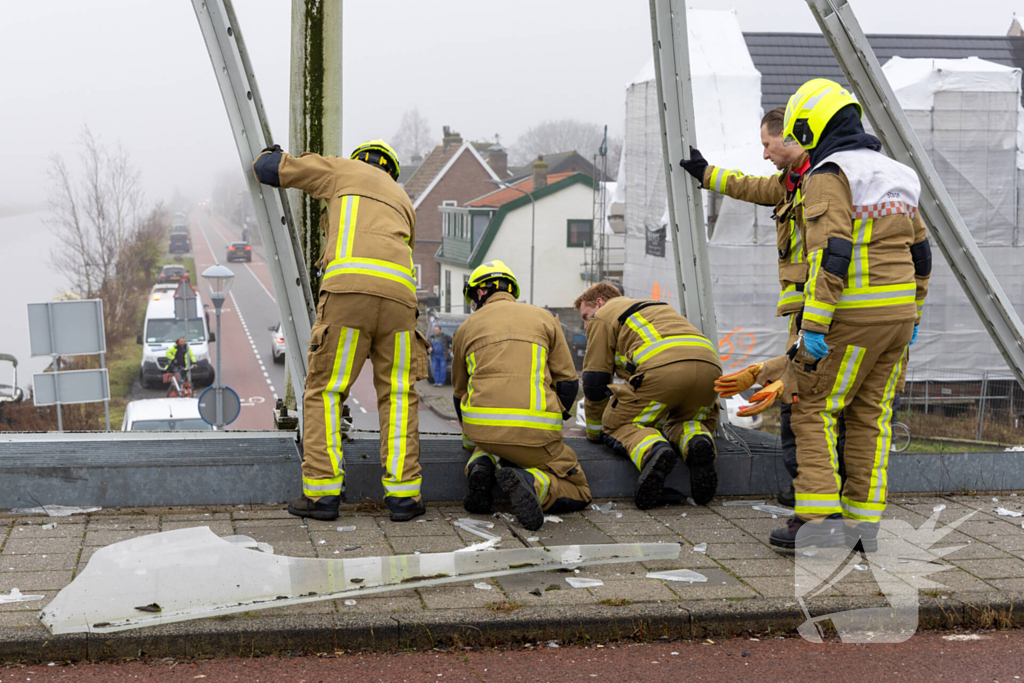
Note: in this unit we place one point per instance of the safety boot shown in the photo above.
(658, 464)
(700, 458)
(862, 537)
(404, 509)
(481, 481)
(518, 484)
(324, 508)
(828, 533)
(787, 498)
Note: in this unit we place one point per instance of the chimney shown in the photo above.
(497, 159)
(540, 173)
(450, 138)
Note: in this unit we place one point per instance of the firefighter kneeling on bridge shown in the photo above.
(668, 406)
(514, 384)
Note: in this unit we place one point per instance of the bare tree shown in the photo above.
(413, 136)
(97, 220)
(565, 135)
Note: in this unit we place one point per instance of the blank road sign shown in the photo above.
(77, 328)
(76, 386)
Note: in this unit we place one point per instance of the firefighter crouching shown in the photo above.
(514, 382)
(668, 407)
(869, 262)
(367, 307)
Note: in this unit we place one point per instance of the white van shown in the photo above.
(164, 415)
(160, 331)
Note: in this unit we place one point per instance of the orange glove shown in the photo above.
(762, 400)
(737, 382)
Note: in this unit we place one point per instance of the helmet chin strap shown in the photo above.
(489, 292)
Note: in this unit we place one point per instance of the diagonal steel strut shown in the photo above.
(249, 125)
(945, 224)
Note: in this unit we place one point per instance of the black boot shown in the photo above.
(519, 487)
(324, 509)
(787, 498)
(404, 509)
(700, 458)
(658, 464)
(828, 533)
(481, 480)
(863, 537)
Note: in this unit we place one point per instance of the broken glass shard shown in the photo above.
(938, 508)
(580, 582)
(740, 503)
(700, 548)
(350, 603)
(16, 596)
(482, 545)
(773, 509)
(54, 511)
(678, 575)
(477, 528)
(553, 519)
(51, 525)
(482, 586)
(346, 528)
(192, 574)
(1003, 512)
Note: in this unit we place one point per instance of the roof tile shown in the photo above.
(505, 195)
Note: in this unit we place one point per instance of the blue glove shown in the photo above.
(914, 338)
(815, 344)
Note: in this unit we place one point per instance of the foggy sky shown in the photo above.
(137, 72)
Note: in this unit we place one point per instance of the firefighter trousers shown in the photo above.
(350, 327)
(672, 403)
(558, 478)
(859, 378)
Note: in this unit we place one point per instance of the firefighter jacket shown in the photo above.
(509, 361)
(783, 191)
(187, 361)
(867, 248)
(630, 337)
(371, 225)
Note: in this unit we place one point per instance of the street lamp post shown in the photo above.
(219, 279)
(533, 224)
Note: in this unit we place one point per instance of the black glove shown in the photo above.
(458, 407)
(695, 165)
(277, 148)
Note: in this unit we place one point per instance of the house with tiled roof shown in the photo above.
(453, 173)
(498, 225)
(560, 162)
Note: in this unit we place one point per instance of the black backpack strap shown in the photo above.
(638, 306)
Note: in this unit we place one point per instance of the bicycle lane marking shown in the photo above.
(248, 267)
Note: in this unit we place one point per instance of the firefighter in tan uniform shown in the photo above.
(367, 307)
(668, 406)
(783, 192)
(514, 382)
(869, 262)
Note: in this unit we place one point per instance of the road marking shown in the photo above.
(362, 409)
(255, 351)
(355, 400)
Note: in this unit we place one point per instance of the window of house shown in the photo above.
(579, 233)
(419, 278)
(447, 291)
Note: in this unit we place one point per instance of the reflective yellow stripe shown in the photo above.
(639, 324)
(594, 427)
(693, 427)
(836, 401)
(398, 422)
(471, 369)
(649, 415)
(538, 362)
(543, 480)
(877, 296)
(640, 450)
(477, 454)
(920, 306)
(860, 511)
(402, 489)
(466, 443)
(814, 310)
(315, 488)
(790, 295)
(652, 349)
(879, 469)
(350, 265)
(337, 386)
(347, 228)
(858, 272)
(512, 417)
(816, 503)
(796, 243)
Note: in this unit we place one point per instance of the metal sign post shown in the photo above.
(857, 59)
(252, 134)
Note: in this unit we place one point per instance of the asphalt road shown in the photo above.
(992, 656)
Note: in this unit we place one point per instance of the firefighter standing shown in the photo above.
(869, 262)
(367, 307)
(782, 191)
(514, 382)
(668, 407)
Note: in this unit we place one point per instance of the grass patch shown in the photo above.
(616, 602)
(935, 593)
(122, 366)
(504, 606)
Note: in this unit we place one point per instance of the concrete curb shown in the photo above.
(234, 637)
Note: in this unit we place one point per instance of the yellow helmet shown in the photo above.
(492, 274)
(810, 109)
(380, 153)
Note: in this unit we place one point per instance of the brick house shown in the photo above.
(453, 173)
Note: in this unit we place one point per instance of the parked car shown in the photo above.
(179, 243)
(239, 251)
(277, 343)
(171, 274)
(164, 415)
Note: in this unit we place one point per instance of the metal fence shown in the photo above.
(977, 406)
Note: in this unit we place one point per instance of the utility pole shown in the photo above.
(314, 122)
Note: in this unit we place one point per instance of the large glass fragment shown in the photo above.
(191, 574)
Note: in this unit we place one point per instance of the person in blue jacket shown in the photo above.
(440, 346)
